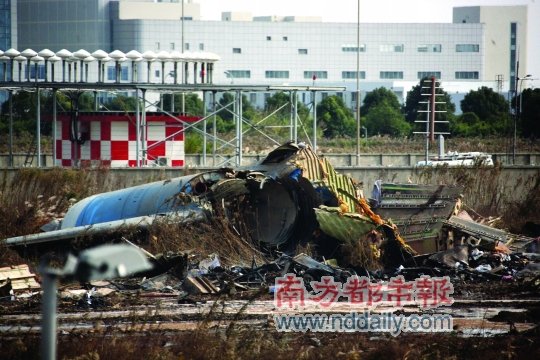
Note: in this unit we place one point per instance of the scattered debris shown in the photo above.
(16, 280)
(294, 197)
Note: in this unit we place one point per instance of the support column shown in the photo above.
(48, 322)
(314, 121)
(295, 105)
(137, 126)
(163, 71)
(214, 129)
(82, 71)
(11, 128)
(142, 130)
(95, 101)
(55, 150)
(11, 70)
(38, 129)
(195, 72)
(202, 73)
(291, 116)
(204, 129)
(240, 116)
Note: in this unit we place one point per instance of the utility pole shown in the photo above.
(358, 89)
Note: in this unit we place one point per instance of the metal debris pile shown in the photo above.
(291, 198)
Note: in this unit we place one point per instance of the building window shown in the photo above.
(186, 46)
(318, 74)
(513, 35)
(302, 51)
(353, 48)
(253, 98)
(466, 75)
(467, 48)
(430, 48)
(187, 18)
(111, 73)
(201, 46)
(238, 74)
(324, 95)
(236, 51)
(285, 38)
(124, 73)
(352, 74)
(157, 46)
(274, 74)
(172, 46)
(391, 48)
(391, 75)
(40, 74)
(157, 73)
(428, 74)
(268, 38)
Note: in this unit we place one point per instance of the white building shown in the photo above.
(478, 49)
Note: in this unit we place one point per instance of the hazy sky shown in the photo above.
(378, 11)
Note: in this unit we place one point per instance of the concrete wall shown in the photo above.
(511, 182)
(345, 160)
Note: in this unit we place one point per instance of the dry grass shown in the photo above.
(212, 236)
(374, 144)
(249, 343)
(491, 192)
(36, 196)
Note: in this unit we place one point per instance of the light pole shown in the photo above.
(102, 262)
(231, 75)
(358, 89)
(518, 113)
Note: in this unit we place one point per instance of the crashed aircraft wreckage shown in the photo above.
(287, 197)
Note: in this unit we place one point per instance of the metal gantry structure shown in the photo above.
(220, 145)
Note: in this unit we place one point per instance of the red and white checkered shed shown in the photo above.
(110, 141)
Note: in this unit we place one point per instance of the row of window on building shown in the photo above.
(284, 74)
(172, 46)
(422, 48)
(281, 74)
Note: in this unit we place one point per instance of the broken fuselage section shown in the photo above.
(286, 198)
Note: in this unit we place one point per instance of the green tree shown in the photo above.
(248, 111)
(486, 103)
(281, 98)
(530, 113)
(413, 106)
(121, 103)
(193, 103)
(383, 118)
(337, 119)
(378, 96)
(24, 110)
(466, 125)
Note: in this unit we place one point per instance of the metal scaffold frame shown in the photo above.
(243, 126)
